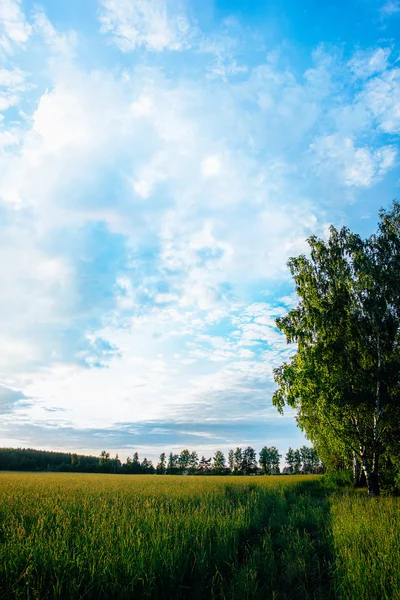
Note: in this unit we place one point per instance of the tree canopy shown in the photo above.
(344, 378)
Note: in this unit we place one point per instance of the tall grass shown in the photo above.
(105, 536)
(366, 537)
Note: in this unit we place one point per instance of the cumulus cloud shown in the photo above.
(354, 167)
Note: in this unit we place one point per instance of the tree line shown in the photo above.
(29, 459)
(242, 461)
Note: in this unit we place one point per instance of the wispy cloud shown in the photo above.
(366, 63)
(155, 24)
(389, 8)
(14, 28)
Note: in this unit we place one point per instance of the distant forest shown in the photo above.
(242, 461)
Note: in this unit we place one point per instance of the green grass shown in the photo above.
(104, 536)
(366, 536)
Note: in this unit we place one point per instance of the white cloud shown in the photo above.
(8, 139)
(210, 166)
(226, 67)
(36, 299)
(165, 298)
(374, 102)
(389, 8)
(62, 120)
(12, 79)
(14, 29)
(13, 82)
(288, 301)
(363, 64)
(354, 167)
(142, 106)
(63, 44)
(19, 352)
(381, 96)
(155, 24)
(200, 295)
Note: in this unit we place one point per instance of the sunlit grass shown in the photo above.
(105, 536)
(367, 546)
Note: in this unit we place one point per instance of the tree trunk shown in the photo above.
(371, 475)
(356, 471)
(375, 490)
(373, 485)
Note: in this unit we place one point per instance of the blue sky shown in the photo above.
(160, 161)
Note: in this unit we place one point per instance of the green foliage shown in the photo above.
(241, 462)
(184, 460)
(204, 466)
(269, 460)
(231, 460)
(344, 379)
(290, 460)
(28, 459)
(173, 464)
(146, 467)
(219, 465)
(297, 462)
(237, 464)
(162, 464)
(249, 461)
(337, 479)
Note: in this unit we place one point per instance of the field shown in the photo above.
(105, 536)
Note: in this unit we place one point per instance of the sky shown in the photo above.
(160, 161)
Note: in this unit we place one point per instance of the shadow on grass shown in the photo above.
(291, 557)
(285, 552)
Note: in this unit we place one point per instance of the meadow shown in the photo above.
(166, 537)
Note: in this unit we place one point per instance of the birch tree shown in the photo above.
(344, 379)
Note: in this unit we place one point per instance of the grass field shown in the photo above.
(105, 536)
